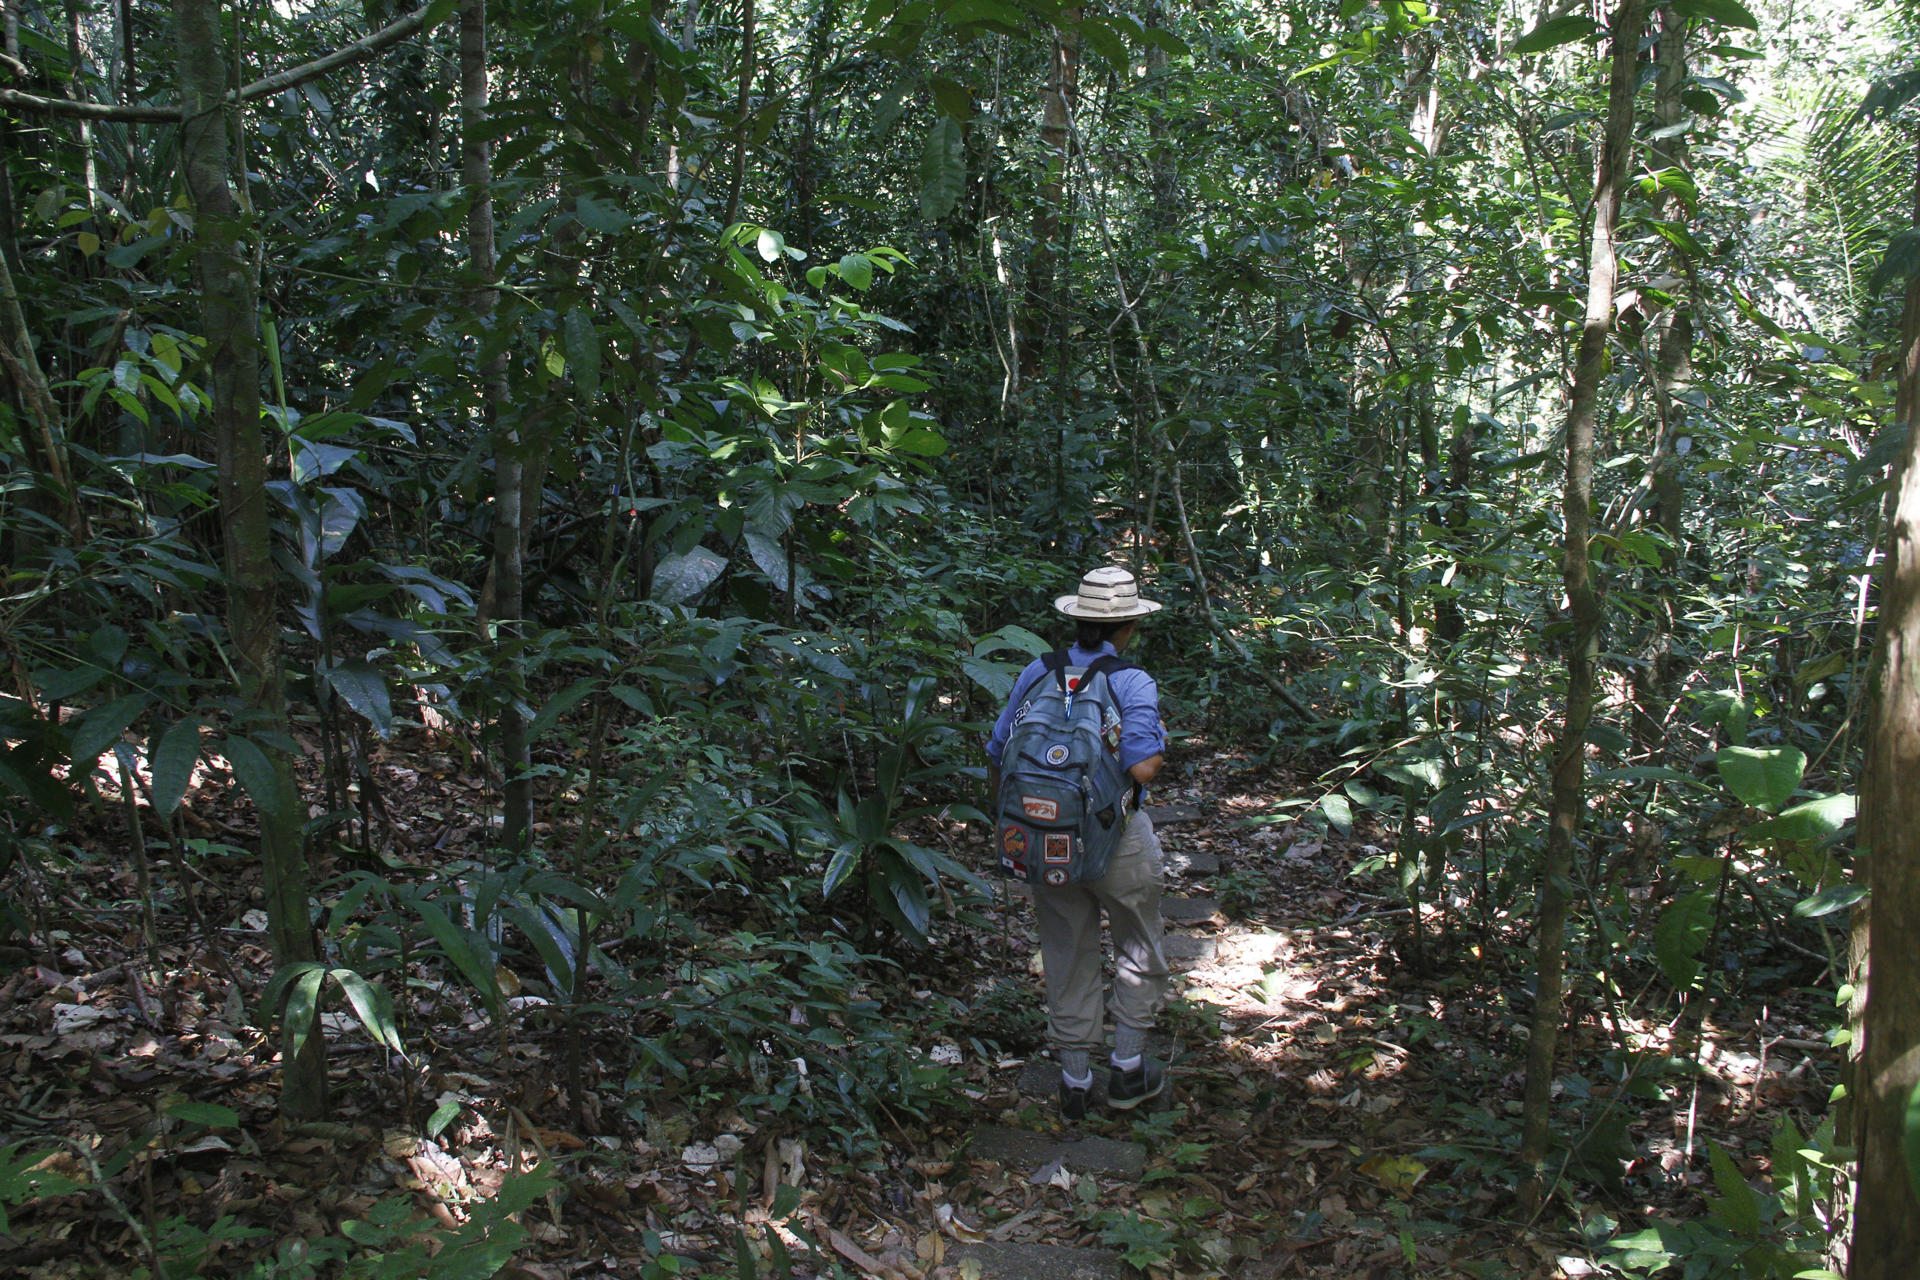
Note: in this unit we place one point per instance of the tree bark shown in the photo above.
(1886, 1224)
(509, 542)
(230, 317)
(1059, 102)
(1568, 802)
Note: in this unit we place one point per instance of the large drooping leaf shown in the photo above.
(170, 755)
(1812, 820)
(1553, 33)
(943, 169)
(583, 353)
(365, 690)
(1726, 13)
(679, 579)
(1680, 935)
(254, 771)
(1764, 777)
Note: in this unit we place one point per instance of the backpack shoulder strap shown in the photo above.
(1055, 663)
(1108, 663)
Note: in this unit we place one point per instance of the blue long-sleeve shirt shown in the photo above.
(1136, 695)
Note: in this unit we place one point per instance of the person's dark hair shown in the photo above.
(1093, 633)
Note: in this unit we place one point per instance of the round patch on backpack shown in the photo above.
(1057, 754)
(1013, 841)
(1056, 877)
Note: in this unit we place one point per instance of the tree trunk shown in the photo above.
(230, 318)
(1583, 647)
(509, 541)
(1058, 104)
(1886, 1224)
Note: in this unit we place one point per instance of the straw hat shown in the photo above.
(1107, 595)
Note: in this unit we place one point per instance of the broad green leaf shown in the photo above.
(302, 1013)
(681, 579)
(209, 1114)
(839, 867)
(1553, 33)
(951, 98)
(1835, 897)
(1012, 636)
(255, 773)
(443, 1115)
(1680, 935)
(468, 951)
(365, 690)
(583, 352)
(372, 1006)
(1764, 777)
(1901, 262)
(943, 169)
(857, 270)
(922, 443)
(559, 704)
(1738, 1207)
(1338, 811)
(1812, 820)
(171, 754)
(1726, 13)
(102, 726)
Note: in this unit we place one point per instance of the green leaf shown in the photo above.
(1764, 777)
(302, 1013)
(1738, 1208)
(443, 1115)
(210, 1115)
(1338, 811)
(1807, 822)
(171, 755)
(559, 704)
(922, 443)
(943, 169)
(469, 952)
(255, 773)
(365, 690)
(1902, 260)
(101, 727)
(1912, 1139)
(1835, 897)
(951, 98)
(1553, 33)
(1725, 13)
(372, 1006)
(857, 270)
(583, 352)
(1680, 935)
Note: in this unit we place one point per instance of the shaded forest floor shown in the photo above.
(1345, 1105)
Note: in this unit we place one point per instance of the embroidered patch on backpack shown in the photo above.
(1039, 809)
(1056, 877)
(1059, 847)
(1057, 754)
(1013, 841)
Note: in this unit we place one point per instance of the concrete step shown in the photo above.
(1008, 1261)
(1193, 910)
(1028, 1152)
(1182, 948)
(1172, 815)
(1181, 862)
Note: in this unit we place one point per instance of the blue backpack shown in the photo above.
(1064, 799)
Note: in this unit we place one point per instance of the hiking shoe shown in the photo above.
(1073, 1102)
(1128, 1089)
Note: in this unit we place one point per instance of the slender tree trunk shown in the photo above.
(742, 97)
(509, 547)
(1886, 1224)
(230, 318)
(1568, 801)
(1059, 102)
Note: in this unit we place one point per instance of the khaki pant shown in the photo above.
(1069, 919)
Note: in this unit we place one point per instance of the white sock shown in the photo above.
(1084, 1082)
(1126, 1064)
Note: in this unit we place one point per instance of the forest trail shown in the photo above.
(1045, 1200)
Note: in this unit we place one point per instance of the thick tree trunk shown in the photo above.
(1886, 1224)
(509, 543)
(230, 318)
(1568, 801)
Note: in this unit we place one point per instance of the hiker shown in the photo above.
(1108, 608)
